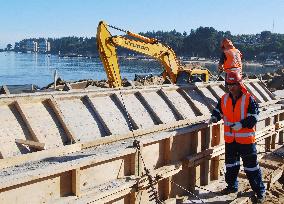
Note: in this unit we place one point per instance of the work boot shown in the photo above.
(258, 199)
(228, 190)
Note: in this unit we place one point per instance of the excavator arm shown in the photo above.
(149, 46)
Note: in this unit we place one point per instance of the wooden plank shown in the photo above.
(196, 110)
(266, 90)
(30, 143)
(268, 139)
(215, 162)
(55, 107)
(175, 111)
(104, 193)
(26, 120)
(119, 100)
(76, 182)
(274, 136)
(168, 159)
(198, 123)
(147, 106)
(17, 160)
(259, 91)
(206, 135)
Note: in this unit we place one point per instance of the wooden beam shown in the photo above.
(97, 115)
(17, 160)
(168, 159)
(198, 123)
(67, 128)
(215, 162)
(177, 114)
(156, 119)
(30, 143)
(76, 182)
(259, 91)
(18, 106)
(206, 136)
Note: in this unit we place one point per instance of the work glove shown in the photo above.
(212, 120)
(237, 126)
(220, 68)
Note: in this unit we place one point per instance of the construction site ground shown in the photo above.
(272, 166)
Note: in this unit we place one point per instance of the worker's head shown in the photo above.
(234, 82)
(226, 44)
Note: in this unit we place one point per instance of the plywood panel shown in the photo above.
(80, 120)
(44, 123)
(198, 100)
(262, 91)
(160, 107)
(101, 173)
(112, 114)
(11, 128)
(154, 155)
(138, 112)
(180, 104)
(209, 96)
(40, 192)
(254, 92)
(218, 90)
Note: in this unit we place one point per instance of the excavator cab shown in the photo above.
(193, 75)
(148, 46)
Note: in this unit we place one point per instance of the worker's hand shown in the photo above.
(237, 126)
(212, 120)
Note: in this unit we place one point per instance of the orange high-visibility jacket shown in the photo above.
(233, 60)
(232, 115)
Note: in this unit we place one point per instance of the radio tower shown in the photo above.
(273, 26)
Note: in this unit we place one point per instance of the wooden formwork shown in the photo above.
(77, 147)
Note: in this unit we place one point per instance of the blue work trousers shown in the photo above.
(248, 153)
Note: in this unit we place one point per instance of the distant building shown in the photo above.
(43, 46)
(33, 45)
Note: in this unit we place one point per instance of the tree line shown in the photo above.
(200, 42)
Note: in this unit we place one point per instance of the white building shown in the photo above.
(43, 46)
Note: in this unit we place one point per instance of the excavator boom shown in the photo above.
(148, 46)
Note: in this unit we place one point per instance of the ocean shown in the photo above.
(38, 69)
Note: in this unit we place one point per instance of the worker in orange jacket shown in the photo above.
(231, 58)
(239, 111)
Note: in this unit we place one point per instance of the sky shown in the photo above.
(60, 18)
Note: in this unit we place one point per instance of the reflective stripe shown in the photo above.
(254, 115)
(228, 123)
(217, 110)
(247, 134)
(230, 134)
(225, 100)
(243, 106)
(233, 69)
(251, 169)
(237, 163)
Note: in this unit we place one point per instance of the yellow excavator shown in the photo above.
(148, 46)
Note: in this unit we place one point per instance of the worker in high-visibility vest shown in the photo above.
(231, 58)
(239, 110)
